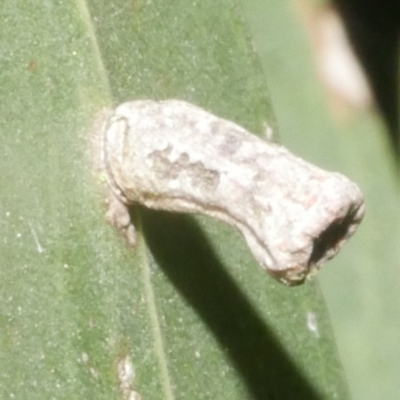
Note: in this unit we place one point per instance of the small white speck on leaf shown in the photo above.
(268, 132)
(36, 239)
(126, 375)
(312, 324)
(94, 373)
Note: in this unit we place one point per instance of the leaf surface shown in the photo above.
(188, 313)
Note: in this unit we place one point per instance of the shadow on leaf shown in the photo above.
(185, 256)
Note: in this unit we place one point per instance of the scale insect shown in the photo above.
(174, 156)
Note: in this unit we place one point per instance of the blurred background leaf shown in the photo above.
(361, 286)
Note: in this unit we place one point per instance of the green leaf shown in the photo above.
(188, 313)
